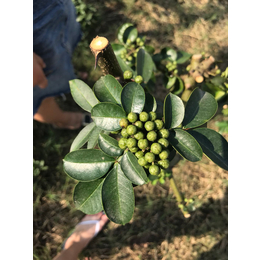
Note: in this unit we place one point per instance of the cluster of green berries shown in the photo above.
(129, 75)
(145, 136)
(131, 49)
(172, 67)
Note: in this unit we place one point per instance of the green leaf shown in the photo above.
(108, 89)
(109, 145)
(149, 49)
(145, 65)
(150, 103)
(182, 57)
(170, 82)
(173, 111)
(127, 31)
(107, 116)
(213, 144)
(83, 136)
(200, 108)
(133, 98)
(132, 170)
(186, 145)
(168, 54)
(117, 48)
(123, 65)
(87, 164)
(87, 196)
(118, 196)
(130, 33)
(82, 94)
(178, 86)
(93, 138)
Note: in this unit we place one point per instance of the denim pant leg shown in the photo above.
(56, 34)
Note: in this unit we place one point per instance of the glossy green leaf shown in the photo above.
(117, 48)
(87, 164)
(108, 89)
(118, 196)
(200, 108)
(124, 66)
(133, 98)
(132, 170)
(145, 65)
(82, 94)
(173, 111)
(168, 54)
(186, 145)
(170, 83)
(127, 31)
(178, 86)
(107, 116)
(87, 196)
(182, 57)
(213, 144)
(109, 145)
(84, 136)
(93, 138)
(150, 103)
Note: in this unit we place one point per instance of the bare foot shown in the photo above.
(50, 113)
(84, 232)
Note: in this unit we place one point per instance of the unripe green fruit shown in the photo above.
(139, 136)
(143, 116)
(149, 126)
(147, 166)
(123, 122)
(162, 173)
(163, 133)
(132, 117)
(164, 142)
(142, 161)
(143, 144)
(131, 142)
(158, 124)
(139, 79)
(149, 157)
(152, 116)
(139, 154)
(164, 154)
(133, 149)
(151, 136)
(164, 163)
(124, 133)
(154, 169)
(128, 74)
(122, 143)
(139, 124)
(156, 148)
(130, 58)
(131, 129)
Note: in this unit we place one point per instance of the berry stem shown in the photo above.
(179, 197)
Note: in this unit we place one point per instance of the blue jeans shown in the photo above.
(55, 36)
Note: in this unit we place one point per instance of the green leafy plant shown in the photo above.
(130, 142)
(181, 72)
